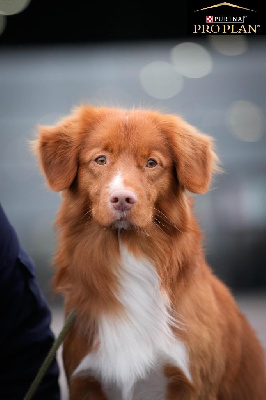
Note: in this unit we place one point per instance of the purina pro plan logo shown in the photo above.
(224, 18)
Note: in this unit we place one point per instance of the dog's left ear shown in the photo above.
(193, 154)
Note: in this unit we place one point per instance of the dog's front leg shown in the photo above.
(85, 388)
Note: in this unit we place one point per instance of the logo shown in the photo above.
(224, 4)
(224, 18)
(209, 19)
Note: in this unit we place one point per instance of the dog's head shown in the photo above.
(125, 164)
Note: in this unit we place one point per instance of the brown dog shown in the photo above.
(153, 322)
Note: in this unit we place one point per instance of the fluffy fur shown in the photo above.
(153, 321)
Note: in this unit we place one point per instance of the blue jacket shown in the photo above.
(25, 335)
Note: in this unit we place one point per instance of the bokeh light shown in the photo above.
(160, 80)
(229, 45)
(191, 60)
(246, 121)
(12, 7)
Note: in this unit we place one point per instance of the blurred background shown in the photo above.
(56, 56)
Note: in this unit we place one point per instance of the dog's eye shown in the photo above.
(101, 160)
(151, 163)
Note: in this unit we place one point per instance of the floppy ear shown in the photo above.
(193, 154)
(57, 148)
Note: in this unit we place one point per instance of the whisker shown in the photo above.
(140, 230)
(161, 215)
(158, 221)
(88, 215)
(159, 227)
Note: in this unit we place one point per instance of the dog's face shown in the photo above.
(125, 164)
(125, 169)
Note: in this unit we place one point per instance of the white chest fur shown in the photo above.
(140, 340)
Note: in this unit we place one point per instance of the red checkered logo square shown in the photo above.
(209, 18)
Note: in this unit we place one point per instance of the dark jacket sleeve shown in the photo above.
(25, 335)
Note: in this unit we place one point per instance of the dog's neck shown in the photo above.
(88, 259)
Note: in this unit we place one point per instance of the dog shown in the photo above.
(152, 321)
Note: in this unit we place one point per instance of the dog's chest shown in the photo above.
(134, 346)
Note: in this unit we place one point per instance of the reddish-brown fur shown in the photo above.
(226, 359)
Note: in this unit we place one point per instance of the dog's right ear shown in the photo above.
(57, 148)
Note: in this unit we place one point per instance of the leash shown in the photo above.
(51, 355)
